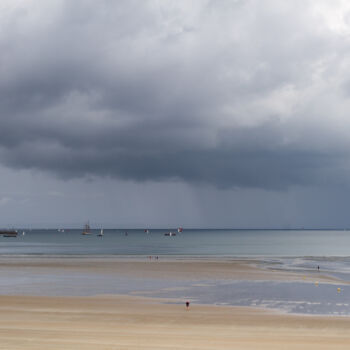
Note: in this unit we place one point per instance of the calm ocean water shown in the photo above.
(220, 243)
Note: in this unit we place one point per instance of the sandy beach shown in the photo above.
(119, 322)
(133, 322)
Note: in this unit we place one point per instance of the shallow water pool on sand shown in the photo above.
(291, 297)
(88, 276)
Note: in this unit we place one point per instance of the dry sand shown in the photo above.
(132, 323)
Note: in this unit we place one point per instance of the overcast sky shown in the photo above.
(166, 113)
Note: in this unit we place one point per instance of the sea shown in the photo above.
(194, 242)
(301, 251)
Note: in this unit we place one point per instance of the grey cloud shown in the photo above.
(231, 94)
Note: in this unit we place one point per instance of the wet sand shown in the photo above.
(167, 268)
(119, 322)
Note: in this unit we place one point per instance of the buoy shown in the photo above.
(338, 290)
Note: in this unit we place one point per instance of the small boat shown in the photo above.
(8, 233)
(23, 233)
(86, 230)
(179, 229)
(170, 234)
(101, 233)
(146, 231)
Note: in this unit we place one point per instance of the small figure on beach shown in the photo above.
(187, 305)
(318, 267)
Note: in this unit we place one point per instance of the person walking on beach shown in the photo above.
(187, 305)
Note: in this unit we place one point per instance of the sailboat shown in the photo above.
(86, 230)
(101, 233)
(170, 234)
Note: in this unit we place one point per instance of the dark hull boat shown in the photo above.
(86, 230)
(8, 233)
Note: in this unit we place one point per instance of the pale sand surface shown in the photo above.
(162, 268)
(120, 323)
(126, 322)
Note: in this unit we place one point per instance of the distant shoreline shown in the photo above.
(98, 227)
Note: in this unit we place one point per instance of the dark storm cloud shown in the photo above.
(234, 94)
